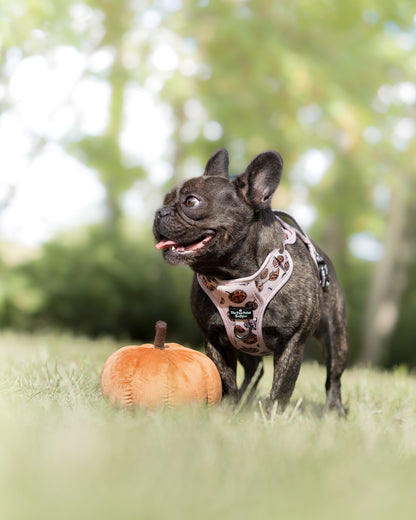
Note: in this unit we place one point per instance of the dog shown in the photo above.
(260, 285)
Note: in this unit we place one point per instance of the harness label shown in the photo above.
(241, 313)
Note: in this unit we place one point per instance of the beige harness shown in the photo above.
(242, 302)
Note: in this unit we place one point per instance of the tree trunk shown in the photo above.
(389, 279)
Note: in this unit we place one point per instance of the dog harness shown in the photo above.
(242, 302)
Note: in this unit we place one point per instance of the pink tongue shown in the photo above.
(199, 245)
(163, 244)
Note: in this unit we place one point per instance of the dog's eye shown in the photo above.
(191, 202)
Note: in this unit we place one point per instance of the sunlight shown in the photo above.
(54, 191)
(146, 128)
(165, 58)
(365, 246)
(52, 102)
(312, 166)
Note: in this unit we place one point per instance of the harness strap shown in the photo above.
(319, 261)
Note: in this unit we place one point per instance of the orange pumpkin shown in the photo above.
(159, 375)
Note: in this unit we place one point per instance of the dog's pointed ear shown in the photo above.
(217, 165)
(260, 180)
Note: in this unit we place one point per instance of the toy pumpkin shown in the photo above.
(159, 375)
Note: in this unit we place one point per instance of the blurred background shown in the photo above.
(105, 104)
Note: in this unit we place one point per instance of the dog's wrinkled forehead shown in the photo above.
(197, 186)
(172, 196)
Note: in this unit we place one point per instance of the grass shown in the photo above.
(67, 454)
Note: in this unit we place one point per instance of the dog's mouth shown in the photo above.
(167, 244)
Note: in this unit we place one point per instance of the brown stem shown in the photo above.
(160, 336)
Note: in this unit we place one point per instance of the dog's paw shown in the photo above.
(335, 407)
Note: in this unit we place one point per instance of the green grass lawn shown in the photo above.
(67, 454)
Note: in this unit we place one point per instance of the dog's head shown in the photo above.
(205, 218)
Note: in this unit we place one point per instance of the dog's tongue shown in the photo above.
(163, 244)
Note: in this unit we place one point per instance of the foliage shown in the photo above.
(325, 76)
(402, 344)
(103, 283)
(68, 454)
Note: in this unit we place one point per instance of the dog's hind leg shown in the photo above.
(333, 335)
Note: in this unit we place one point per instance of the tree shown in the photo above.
(103, 152)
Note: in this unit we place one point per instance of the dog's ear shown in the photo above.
(260, 180)
(217, 165)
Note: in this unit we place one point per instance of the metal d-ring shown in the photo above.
(250, 330)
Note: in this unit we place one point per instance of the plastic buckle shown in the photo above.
(323, 272)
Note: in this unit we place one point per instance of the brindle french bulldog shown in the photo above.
(224, 228)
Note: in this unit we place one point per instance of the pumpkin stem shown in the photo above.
(160, 336)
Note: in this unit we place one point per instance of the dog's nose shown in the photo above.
(163, 212)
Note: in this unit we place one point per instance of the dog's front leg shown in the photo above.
(253, 372)
(286, 371)
(226, 363)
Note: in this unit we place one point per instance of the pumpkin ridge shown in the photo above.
(128, 384)
(210, 372)
(167, 394)
(205, 376)
(128, 392)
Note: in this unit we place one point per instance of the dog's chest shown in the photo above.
(242, 302)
